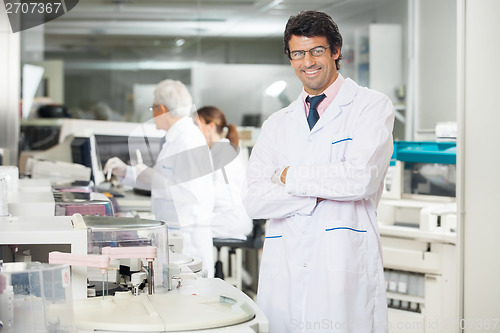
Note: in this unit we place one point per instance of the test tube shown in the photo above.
(393, 281)
(403, 283)
(139, 156)
(396, 303)
(403, 288)
(413, 290)
(150, 278)
(421, 286)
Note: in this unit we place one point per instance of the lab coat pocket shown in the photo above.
(339, 145)
(273, 251)
(346, 247)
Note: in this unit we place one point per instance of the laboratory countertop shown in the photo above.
(34, 230)
(131, 201)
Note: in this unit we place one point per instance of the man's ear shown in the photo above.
(337, 54)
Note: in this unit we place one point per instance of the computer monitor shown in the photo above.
(125, 147)
(251, 120)
(100, 140)
(84, 151)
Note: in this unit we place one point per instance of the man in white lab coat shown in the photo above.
(317, 173)
(180, 181)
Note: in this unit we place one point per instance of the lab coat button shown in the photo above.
(305, 265)
(304, 233)
(309, 140)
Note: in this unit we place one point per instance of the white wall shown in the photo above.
(436, 71)
(9, 88)
(32, 44)
(392, 12)
(239, 89)
(83, 88)
(480, 161)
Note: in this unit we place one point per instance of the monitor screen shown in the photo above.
(84, 151)
(125, 147)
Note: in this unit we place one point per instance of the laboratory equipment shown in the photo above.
(102, 262)
(417, 223)
(36, 197)
(421, 175)
(72, 201)
(201, 305)
(210, 305)
(35, 297)
(85, 145)
(32, 238)
(40, 136)
(122, 232)
(57, 171)
(11, 174)
(85, 235)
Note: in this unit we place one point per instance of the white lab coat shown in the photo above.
(186, 206)
(230, 217)
(321, 267)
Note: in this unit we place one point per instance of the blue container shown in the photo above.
(424, 152)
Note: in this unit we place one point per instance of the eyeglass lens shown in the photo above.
(315, 52)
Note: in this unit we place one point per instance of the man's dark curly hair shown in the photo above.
(311, 24)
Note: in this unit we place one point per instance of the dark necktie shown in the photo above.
(313, 115)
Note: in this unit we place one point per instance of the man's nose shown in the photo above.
(309, 60)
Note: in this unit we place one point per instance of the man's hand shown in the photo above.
(278, 178)
(283, 175)
(118, 167)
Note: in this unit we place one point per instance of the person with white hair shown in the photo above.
(180, 181)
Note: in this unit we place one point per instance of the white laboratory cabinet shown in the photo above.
(418, 237)
(420, 271)
(378, 58)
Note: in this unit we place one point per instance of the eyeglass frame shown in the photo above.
(152, 107)
(310, 52)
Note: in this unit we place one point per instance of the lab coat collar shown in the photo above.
(177, 128)
(344, 97)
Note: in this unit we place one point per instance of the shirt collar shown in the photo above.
(330, 92)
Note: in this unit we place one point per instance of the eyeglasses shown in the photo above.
(152, 108)
(317, 51)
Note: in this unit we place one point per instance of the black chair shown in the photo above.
(254, 241)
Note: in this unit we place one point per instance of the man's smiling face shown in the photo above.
(316, 73)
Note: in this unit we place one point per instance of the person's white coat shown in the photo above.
(230, 217)
(186, 206)
(321, 267)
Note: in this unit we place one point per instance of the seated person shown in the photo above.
(231, 219)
